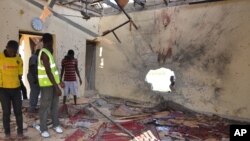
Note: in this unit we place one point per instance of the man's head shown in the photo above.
(48, 41)
(12, 48)
(71, 53)
(47, 38)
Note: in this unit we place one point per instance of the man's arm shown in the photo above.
(20, 68)
(77, 72)
(62, 71)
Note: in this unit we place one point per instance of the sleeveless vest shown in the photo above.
(43, 78)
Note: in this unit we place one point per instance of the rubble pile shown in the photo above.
(111, 119)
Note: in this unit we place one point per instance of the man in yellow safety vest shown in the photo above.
(49, 81)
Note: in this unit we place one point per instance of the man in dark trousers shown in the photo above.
(33, 81)
(69, 70)
(11, 70)
(49, 81)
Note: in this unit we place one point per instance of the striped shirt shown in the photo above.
(69, 69)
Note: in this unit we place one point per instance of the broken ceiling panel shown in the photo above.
(97, 8)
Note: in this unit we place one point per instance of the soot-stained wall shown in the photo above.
(207, 45)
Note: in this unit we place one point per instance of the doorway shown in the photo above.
(90, 65)
(28, 43)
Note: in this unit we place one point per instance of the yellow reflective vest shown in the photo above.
(10, 70)
(43, 78)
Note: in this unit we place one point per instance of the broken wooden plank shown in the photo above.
(117, 124)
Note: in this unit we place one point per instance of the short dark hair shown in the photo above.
(71, 52)
(12, 44)
(47, 37)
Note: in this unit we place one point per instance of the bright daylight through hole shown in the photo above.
(161, 79)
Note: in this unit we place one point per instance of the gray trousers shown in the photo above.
(34, 92)
(49, 103)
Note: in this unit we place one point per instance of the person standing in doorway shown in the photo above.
(33, 81)
(11, 70)
(69, 71)
(49, 81)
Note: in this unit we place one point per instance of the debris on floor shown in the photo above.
(113, 119)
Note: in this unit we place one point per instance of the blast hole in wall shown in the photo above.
(161, 80)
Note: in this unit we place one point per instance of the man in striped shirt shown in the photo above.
(69, 71)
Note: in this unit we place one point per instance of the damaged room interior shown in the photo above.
(151, 70)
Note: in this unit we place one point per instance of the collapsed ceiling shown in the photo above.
(99, 8)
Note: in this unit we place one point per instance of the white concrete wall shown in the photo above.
(210, 44)
(16, 15)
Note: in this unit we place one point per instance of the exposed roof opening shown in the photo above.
(161, 79)
(113, 1)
